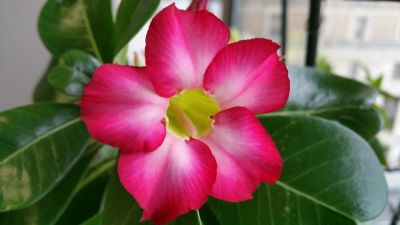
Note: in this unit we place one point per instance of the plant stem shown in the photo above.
(199, 218)
(396, 216)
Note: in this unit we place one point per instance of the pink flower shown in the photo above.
(197, 5)
(185, 124)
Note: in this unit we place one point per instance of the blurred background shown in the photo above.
(356, 39)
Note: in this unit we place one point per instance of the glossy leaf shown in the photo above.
(379, 150)
(73, 72)
(384, 114)
(39, 145)
(95, 220)
(78, 24)
(43, 91)
(313, 89)
(47, 210)
(365, 121)
(322, 94)
(191, 218)
(131, 16)
(80, 61)
(330, 176)
(68, 81)
(87, 199)
(207, 216)
(128, 211)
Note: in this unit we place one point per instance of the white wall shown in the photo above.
(23, 58)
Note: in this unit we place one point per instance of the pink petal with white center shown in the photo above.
(249, 73)
(170, 181)
(180, 44)
(120, 108)
(245, 153)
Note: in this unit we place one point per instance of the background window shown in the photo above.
(360, 28)
(275, 26)
(396, 71)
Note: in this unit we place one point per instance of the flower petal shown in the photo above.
(170, 181)
(180, 44)
(248, 73)
(120, 108)
(246, 155)
(197, 5)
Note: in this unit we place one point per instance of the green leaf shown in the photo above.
(207, 216)
(313, 89)
(324, 65)
(80, 61)
(47, 210)
(384, 115)
(43, 91)
(188, 219)
(379, 150)
(87, 199)
(68, 81)
(128, 211)
(73, 72)
(78, 24)
(191, 218)
(39, 144)
(377, 83)
(100, 20)
(317, 93)
(95, 220)
(365, 121)
(131, 16)
(330, 176)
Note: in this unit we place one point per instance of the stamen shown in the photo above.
(189, 113)
(187, 125)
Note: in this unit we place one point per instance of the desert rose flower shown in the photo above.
(185, 124)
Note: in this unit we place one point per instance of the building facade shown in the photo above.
(357, 38)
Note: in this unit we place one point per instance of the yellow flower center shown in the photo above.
(189, 113)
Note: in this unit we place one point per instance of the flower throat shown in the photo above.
(189, 113)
